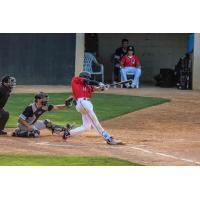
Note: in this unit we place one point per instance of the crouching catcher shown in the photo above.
(30, 126)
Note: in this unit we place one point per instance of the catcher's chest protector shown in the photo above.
(37, 112)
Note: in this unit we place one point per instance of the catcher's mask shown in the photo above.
(85, 74)
(9, 81)
(43, 96)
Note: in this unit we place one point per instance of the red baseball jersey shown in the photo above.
(79, 89)
(132, 61)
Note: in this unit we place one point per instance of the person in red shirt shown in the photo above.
(82, 88)
(130, 63)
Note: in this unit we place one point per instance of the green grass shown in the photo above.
(106, 107)
(24, 160)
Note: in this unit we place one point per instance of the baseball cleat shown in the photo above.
(31, 134)
(15, 133)
(127, 85)
(66, 134)
(34, 134)
(133, 86)
(3, 132)
(112, 141)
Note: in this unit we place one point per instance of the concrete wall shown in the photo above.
(79, 55)
(196, 62)
(155, 50)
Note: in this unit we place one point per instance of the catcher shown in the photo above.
(82, 88)
(30, 126)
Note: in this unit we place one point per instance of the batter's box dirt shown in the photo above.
(166, 134)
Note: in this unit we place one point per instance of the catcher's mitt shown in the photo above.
(69, 101)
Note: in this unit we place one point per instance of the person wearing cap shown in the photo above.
(130, 63)
(28, 123)
(6, 86)
(82, 88)
(119, 53)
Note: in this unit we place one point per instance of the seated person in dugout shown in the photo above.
(130, 63)
(119, 53)
(30, 126)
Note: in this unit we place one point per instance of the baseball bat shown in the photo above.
(120, 83)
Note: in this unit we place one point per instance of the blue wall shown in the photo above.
(190, 42)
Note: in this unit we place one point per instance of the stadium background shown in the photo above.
(52, 59)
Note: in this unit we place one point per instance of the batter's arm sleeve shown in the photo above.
(91, 82)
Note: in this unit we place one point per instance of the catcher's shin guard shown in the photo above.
(53, 127)
(20, 133)
(48, 123)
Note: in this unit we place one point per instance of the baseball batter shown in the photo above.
(82, 88)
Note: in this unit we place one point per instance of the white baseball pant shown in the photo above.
(89, 119)
(135, 71)
(36, 126)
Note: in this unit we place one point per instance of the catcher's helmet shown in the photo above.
(9, 80)
(130, 48)
(85, 74)
(41, 95)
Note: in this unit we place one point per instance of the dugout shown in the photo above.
(52, 59)
(155, 50)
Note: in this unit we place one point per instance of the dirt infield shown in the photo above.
(167, 134)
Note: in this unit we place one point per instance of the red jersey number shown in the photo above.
(79, 89)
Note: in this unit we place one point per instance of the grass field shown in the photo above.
(19, 160)
(106, 107)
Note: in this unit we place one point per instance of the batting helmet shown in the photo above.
(85, 74)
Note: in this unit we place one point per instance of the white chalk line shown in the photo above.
(140, 149)
(130, 147)
(58, 145)
(166, 155)
(73, 145)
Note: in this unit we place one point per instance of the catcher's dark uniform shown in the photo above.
(4, 116)
(31, 114)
